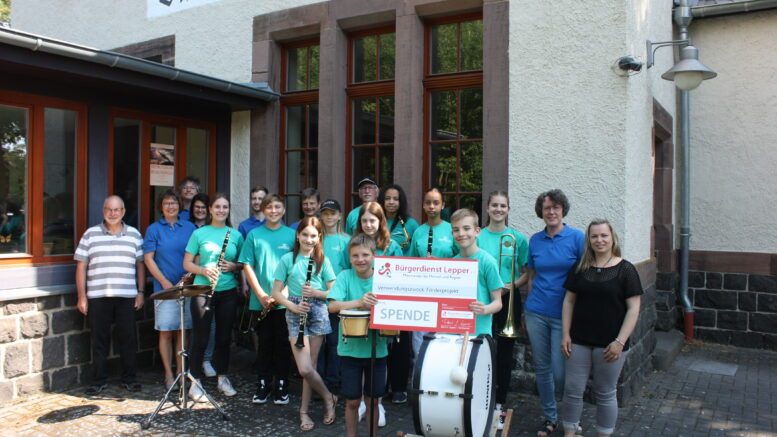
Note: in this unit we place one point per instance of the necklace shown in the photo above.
(599, 269)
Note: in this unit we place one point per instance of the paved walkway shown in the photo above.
(711, 390)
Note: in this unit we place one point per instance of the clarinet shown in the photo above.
(429, 245)
(214, 282)
(303, 318)
(404, 230)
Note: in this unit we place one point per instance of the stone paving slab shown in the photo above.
(679, 402)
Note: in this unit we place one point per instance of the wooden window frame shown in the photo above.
(445, 82)
(295, 98)
(362, 90)
(36, 106)
(147, 120)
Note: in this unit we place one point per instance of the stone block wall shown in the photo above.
(639, 361)
(45, 345)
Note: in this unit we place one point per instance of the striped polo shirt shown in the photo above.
(111, 260)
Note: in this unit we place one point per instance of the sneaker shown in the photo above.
(208, 370)
(262, 393)
(281, 393)
(381, 416)
(131, 386)
(362, 410)
(399, 397)
(95, 389)
(196, 394)
(225, 387)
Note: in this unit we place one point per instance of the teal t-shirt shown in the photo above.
(398, 234)
(393, 249)
(263, 250)
(349, 286)
(207, 242)
(294, 272)
(488, 281)
(443, 245)
(489, 242)
(336, 250)
(350, 221)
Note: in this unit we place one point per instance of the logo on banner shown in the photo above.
(385, 270)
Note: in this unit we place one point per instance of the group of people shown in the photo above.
(582, 304)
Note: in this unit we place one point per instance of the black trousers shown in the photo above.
(400, 357)
(273, 356)
(223, 306)
(102, 313)
(505, 347)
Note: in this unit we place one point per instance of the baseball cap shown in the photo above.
(366, 181)
(330, 204)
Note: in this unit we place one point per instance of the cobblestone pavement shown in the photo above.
(711, 390)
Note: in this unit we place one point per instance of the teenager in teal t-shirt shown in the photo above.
(353, 290)
(465, 231)
(401, 226)
(372, 222)
(308, 276)
(442, 237)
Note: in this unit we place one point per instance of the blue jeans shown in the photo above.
(545, 337)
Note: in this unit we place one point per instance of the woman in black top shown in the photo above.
(600, 311)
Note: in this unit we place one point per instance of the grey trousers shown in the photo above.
(583, 361)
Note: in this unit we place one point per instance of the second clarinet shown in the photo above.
(303, 318)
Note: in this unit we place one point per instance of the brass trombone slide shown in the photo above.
(508, 242)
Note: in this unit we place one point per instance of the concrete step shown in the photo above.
(668, 345)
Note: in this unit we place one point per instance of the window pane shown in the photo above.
(312, 169)
(293, 209)
(473, 202)
(295, 169)
(386, 165)
(364, 121)
(197, 155)
(59, 181)
(364, 59)
(314, 55)
(444, 46)
(471, 113)
(126, 167)
(386, 112)
(297, 69)
(472, 45)
(13, 179)
(295, 127)
(312, 126)
(363, 163)
(443, 115)
(443, 159)
(387, 55)
(159, 135)
(471, 176)
(451, 205)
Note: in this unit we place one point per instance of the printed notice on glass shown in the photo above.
(424, 294)
(162, 165)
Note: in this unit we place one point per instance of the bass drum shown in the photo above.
(444, 408)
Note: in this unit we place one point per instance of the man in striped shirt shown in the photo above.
(109, 278)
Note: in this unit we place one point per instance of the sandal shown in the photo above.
(547, 429)
(305, 422)
(330, 412)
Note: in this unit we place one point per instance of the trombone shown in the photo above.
(508, 242)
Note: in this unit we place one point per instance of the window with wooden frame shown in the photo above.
(42, 178)
(453, 110)
(370, 113)
(150, 153)
(299, 123)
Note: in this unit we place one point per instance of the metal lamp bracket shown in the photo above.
(653, 46)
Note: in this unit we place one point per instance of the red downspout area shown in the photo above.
(688, 321)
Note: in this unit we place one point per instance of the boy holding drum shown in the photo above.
(352, 290)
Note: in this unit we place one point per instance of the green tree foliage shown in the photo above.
(5, 11)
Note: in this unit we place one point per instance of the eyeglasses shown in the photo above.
(170, 204)
(113, 210)
(189, 187)
(368, 187)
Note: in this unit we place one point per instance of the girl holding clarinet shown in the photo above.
(400, 224)
(308, 275)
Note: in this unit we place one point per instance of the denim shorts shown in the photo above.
(167, 316)
(318, 318)
(355, 377)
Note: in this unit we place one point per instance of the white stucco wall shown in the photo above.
(734, 136)
(240, 166)
(576, 125)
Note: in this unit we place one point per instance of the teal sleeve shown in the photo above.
(338, 289)
(247, 251)
(327, 273)
(282, 271)
(413, 252)
(345, 260)
(394, 249)
(491, 274)
(193, 246)
(523, 250)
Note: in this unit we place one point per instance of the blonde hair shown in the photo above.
(589, 257)
(462, 213)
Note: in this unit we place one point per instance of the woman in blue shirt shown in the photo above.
(552, 252)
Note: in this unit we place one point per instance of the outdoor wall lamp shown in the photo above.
(688, 73)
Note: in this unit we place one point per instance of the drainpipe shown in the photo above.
(682, 17)
(718, 9)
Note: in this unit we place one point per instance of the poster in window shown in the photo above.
(162, 165)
